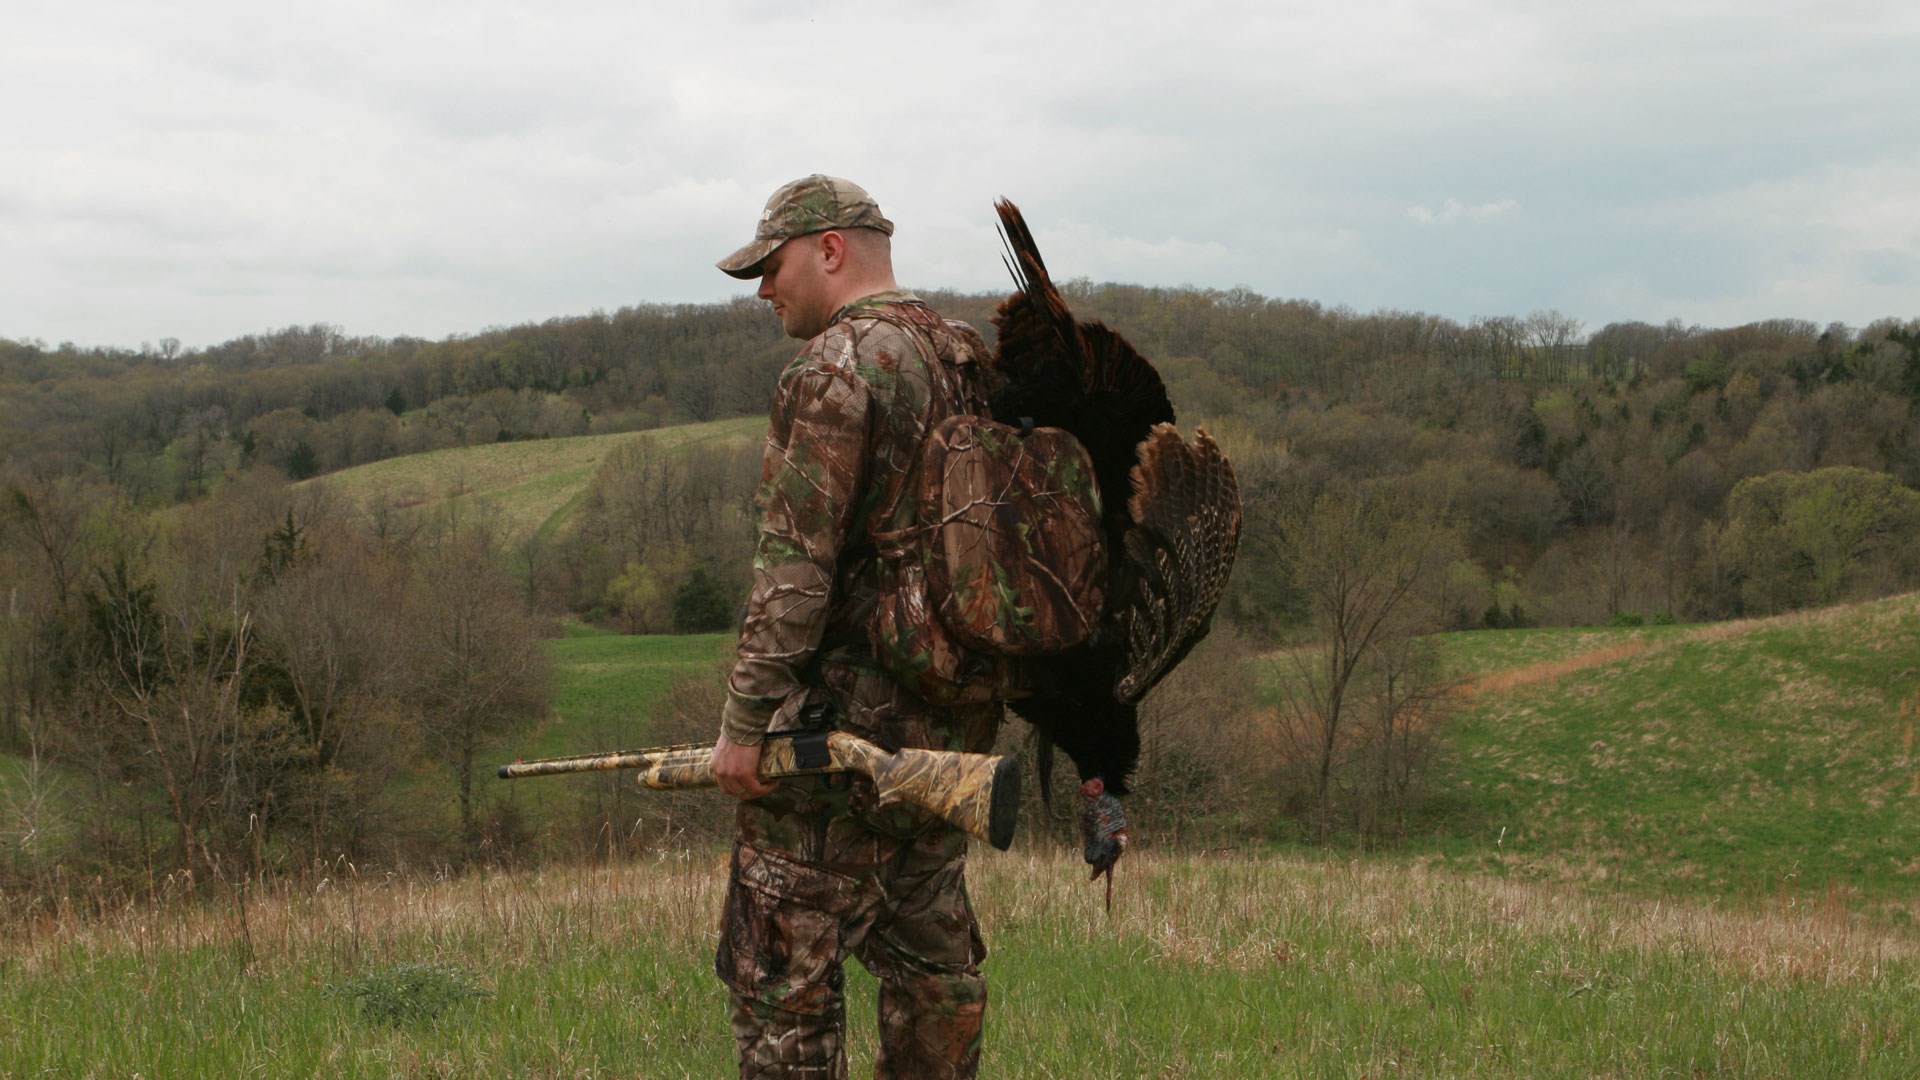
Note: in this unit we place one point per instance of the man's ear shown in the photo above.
(833, 251)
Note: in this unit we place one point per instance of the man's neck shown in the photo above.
(894, 295)
(865, 287)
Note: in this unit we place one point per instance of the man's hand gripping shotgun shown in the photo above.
(976, 793)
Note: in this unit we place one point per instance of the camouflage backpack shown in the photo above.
(1004, 559)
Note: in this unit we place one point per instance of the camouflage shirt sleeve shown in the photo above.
(811, 483)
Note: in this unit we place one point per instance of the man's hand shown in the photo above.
(736, 769)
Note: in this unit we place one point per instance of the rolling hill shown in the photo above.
(1743, 758)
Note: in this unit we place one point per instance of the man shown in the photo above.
(819, 872)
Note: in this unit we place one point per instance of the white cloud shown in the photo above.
(1453, 211)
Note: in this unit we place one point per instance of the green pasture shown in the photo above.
(1742, 760)
(605, 685)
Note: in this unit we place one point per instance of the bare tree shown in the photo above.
(638, 499)
(330, 625)
(50, 514)
(477, 669)
(47, 528)
(1406, 706)
(201, 431)
(1360, 557)
(659, 512)
(1203, 753)
(33, 808)
(1553, 335)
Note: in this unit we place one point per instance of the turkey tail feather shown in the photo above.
(1186, 513)
(1029, 271)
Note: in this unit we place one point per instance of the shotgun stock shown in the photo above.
(976, 793)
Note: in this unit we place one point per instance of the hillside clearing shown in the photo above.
(527, 487)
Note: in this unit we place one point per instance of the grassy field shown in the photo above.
(528, 486)
(1735, 759)
(605, 684)
(606, 687)
(1255, 966)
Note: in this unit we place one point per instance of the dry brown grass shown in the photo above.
(1207, 911)
(1243, 913)
(1210, 965)
(676, 895)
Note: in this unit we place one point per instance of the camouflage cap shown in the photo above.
(809, 205)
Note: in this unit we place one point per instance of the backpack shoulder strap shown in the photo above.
(955, 356)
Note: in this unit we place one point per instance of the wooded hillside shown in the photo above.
(1590, 473)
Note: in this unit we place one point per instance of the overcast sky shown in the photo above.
(205, 169)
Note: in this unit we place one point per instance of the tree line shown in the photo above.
(1590, 471)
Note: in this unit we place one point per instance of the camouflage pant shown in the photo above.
(820, 872)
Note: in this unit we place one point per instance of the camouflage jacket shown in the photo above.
(842, 459)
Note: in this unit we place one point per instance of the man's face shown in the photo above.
(795, 283)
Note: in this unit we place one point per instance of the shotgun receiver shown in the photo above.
(976, 793)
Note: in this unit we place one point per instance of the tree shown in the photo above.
(637, 592)
(1553, 336)
(1585, 483)
(649, 507)
(703, 604)
(1797, 539)
(172, 674)
(330, 635)
(637, 499)
(477, 668)
(201, 431)
(1353, 698)
(51, 515)
(302, 462)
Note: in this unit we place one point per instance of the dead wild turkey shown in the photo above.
(1171, 513)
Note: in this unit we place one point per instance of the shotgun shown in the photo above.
(976, 793)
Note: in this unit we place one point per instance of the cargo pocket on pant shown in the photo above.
(780, 932)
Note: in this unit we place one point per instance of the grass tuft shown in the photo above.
(409, 993)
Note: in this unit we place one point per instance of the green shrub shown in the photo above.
(702, 604)
(410, 993)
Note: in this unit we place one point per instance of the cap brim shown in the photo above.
(745, 263)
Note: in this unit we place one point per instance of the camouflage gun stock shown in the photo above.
(976, 793)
